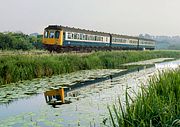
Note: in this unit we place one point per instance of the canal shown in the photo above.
(90, 92)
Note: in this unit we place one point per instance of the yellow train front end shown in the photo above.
(53, 39)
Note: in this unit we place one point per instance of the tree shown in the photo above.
(18, 41)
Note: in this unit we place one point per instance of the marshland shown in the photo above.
(118, 88)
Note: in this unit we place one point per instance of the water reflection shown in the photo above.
(168, 65)
(56, 96)
(91, 111)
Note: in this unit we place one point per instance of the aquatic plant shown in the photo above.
(157, 105)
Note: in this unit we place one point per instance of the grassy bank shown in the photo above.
(156, 106)
(14, 68)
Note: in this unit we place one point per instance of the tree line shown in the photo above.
(19, 41)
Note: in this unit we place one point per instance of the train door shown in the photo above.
(57, 37)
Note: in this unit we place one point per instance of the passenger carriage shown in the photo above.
(60, 38)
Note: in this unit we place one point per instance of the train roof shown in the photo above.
(72, 29)
(124, 36)
(146, 39)
(130, 37)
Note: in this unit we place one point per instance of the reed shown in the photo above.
(19, 67)
(158, 105)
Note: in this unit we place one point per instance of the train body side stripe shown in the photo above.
(81, 43)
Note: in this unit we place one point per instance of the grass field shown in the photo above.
(19, 67)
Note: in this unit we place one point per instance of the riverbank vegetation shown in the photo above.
(19, 67)
(158, 105)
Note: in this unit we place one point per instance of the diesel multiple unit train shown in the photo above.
(60, 38)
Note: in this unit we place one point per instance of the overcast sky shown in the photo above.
(132, 17)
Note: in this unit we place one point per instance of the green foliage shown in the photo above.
(156, 106)
(115, 59)
(14, 68)
(19, 41)
(5, 41)
(37, 41)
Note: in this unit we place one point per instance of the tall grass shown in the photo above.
(156, 106)
(14, 68)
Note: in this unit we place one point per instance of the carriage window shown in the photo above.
(124, 40)
(46, 33)
(81, 36)
(113, 39)
(51, 35)
(117, 40)
(94, 38)
(72, 36)
(91, 37)
(97, 38)
(57, 33)
(86, 37)
(69, 36)
(103, 39)
(75, 35)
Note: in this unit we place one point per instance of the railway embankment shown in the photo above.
(19, 67)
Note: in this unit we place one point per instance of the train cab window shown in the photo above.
(57, 33)
(51, 35)
(46, 34)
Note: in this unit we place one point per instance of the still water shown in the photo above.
(88, 105)
(168, 65)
